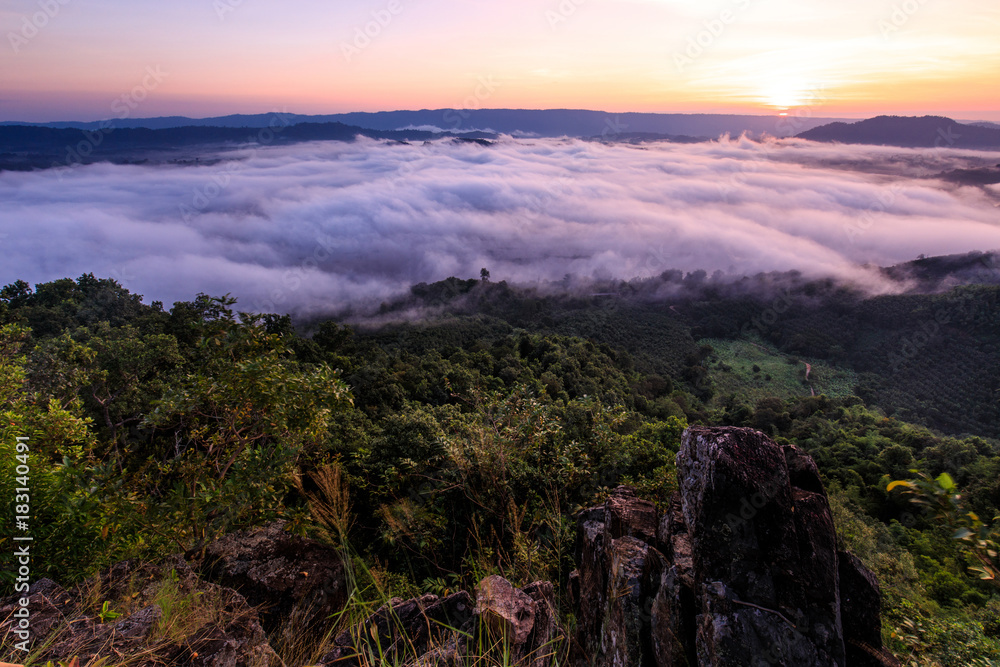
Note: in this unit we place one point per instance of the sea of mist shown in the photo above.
(317, 227)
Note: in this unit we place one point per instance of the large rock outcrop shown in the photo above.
(742, 569)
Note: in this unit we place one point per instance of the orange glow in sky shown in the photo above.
(78, 59)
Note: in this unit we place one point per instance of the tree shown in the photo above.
(484, 274)
(236, 427)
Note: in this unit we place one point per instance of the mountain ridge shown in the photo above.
(532, 122)
(907, 132)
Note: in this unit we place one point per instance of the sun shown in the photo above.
(783, 95)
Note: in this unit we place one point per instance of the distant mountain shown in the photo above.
(33, 147)
(909, 132)
(983, 123)
(539, 123)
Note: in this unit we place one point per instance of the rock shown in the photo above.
(140, 624)
(296, 582)
(432, 632)
(240, 643)
(64, 627)
(635, 573)
(742, 568)
(443, 618)
(48, 605)
(404, 631)
(620, 573)
(861, 600)
(672, 621)
(546, 639)
(505, 612)
(764, 552)
(625, 515)
(593, 572)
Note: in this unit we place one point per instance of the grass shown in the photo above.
(184, 611)
(373, 592)
(732, 369)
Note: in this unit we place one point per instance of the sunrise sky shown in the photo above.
(72, 59)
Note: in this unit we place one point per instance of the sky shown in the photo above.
(313, 228)
(95, 59)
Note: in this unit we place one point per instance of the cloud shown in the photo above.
(316, 227)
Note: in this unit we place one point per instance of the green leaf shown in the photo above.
(961, 534)
(945, 481)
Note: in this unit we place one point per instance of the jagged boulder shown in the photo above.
(860, 602)
(296, 582)
(742, 569)
(546, 638)
(620, 572)
(506, 613)
(764, 552)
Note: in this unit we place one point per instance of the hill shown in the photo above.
(530, 122)
(24, 147)
(929, 354)
(908, 132)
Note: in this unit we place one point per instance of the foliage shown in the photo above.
(439, 451)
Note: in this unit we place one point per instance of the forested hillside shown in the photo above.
(456, 433)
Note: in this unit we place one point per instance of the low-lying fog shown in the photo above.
(314, 227)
